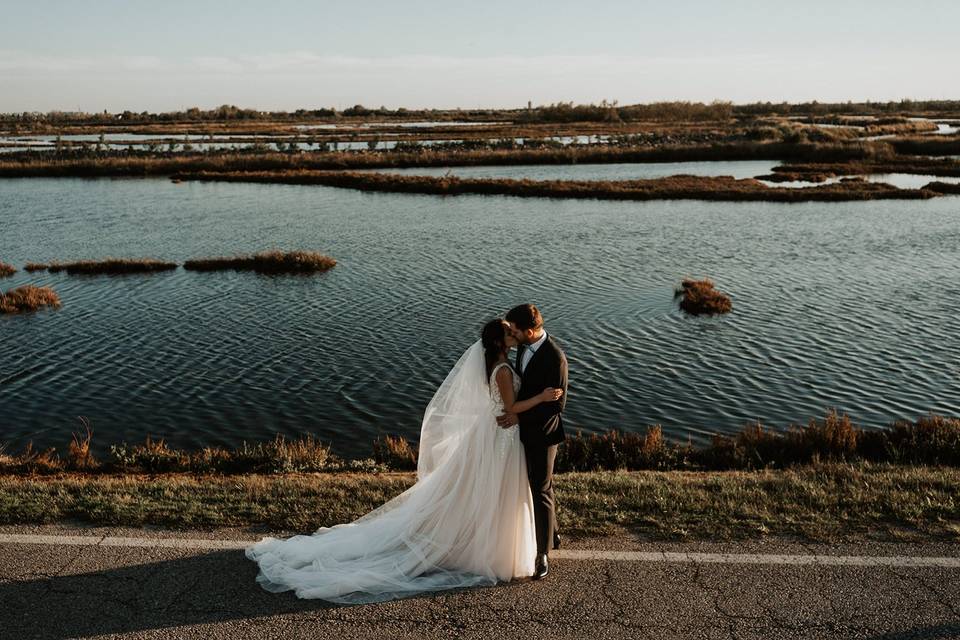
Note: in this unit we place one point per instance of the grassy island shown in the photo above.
(28, 298)
(267, 262)
(699, 297)
(108, 266)
(680, 187)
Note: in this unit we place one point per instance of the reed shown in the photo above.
(395, 452)
(6, 270)
(79, 457)
(699, 297)
(266, 262)
(28, 298)
(722, 188)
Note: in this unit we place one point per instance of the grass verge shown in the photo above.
(829, 501)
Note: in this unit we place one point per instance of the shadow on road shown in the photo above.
(935, 632)
(215, 587)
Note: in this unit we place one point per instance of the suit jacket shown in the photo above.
(543, 424)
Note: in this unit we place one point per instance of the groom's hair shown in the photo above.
(525, 316)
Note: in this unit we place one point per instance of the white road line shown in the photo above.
(564, 554)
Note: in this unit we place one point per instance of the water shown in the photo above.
(899, 180)
(620, 171)
(848, 305)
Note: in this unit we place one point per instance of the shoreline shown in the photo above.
(928, 440)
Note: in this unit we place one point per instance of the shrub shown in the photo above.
(699, 297)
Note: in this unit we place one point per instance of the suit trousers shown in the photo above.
(540, 460)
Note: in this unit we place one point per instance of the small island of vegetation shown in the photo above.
(28, 298)
(699, 297)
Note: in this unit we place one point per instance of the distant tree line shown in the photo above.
(676, 111)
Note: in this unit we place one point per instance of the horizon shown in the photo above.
(908, 103)
(121, 56)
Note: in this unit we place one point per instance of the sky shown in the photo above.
(287, 54)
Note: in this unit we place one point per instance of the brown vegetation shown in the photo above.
(722, 188)
(945, 167)
(269, 262)
(111, 266)
(632, 151)
(6, 270)
(700, 298)
(930, 440)
(28, 298)
(395, 452)
(946, 188)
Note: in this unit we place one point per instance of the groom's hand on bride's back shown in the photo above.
(508, 420)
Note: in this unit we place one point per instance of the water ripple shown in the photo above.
(850, 306)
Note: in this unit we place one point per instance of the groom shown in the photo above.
(541, 364)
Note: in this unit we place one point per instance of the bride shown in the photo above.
(468, 519)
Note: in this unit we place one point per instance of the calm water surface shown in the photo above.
(854, 306)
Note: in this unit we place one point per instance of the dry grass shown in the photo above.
(395, 452)
(28, 298)
(6, 270)
(681, 187)
(79, 457)
(269, 262)
(699, 297)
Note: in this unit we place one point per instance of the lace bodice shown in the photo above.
(495, 389)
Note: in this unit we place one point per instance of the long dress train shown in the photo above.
(467, 521)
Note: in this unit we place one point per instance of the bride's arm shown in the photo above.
(510, 404)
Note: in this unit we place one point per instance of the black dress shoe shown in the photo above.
(542, 567)
(556, 540)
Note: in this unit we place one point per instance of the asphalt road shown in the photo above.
(102, 587)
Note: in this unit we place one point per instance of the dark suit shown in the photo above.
(541, 430)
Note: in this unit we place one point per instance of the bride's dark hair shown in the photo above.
(493, 337)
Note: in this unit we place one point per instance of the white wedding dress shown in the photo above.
(467, 521)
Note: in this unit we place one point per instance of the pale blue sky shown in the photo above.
(285, 54)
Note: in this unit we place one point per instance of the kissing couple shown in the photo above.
(482, 509)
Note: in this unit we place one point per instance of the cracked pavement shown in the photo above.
(62, 591)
